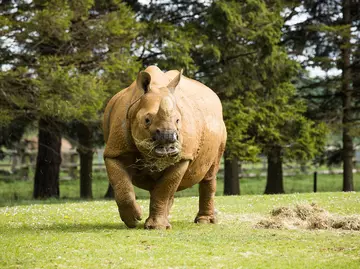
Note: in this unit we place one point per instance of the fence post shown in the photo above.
(14, 161)
(74, 156)
(25, 166)
(315, 181)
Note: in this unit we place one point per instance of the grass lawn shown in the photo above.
(69, 234)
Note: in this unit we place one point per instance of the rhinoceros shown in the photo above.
(164, 133)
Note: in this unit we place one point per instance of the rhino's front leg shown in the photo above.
(162, 195)
(120, 180)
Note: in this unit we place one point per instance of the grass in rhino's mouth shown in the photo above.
(156, 157)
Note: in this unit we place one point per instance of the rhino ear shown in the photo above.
(143, 81)
(175, 82)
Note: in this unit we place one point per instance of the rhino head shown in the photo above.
(156, 123)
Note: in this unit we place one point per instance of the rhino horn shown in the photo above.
(166, 106)
(143, 81)
(175, 82)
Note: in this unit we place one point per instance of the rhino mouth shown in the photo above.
(166, 150)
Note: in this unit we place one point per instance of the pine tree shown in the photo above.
(68, 53)
(242, 60)
(329, 36)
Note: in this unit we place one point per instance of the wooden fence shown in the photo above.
(23, 165)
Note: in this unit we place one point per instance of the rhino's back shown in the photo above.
(199, 94)
(204, 104)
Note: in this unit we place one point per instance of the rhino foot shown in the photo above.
(205, 219)
(130, 215)
(159, 223)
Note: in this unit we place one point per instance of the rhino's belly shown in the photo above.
(195, 173)
(206, 158)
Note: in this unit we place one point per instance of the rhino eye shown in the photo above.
(147, 121)
(177, 121)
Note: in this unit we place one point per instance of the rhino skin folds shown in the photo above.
(164, 133)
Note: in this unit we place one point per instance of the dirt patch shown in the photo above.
(308, 216)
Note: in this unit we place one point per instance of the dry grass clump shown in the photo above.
(150, 161)
(347, 223)
(308, 216)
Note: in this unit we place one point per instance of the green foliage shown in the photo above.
(170, 45)
(62, 67)
(328, 37)
(253, 76)
(80, 9)
(66, 93)
(240, 143)
(14, 97)
(170, 33)
(120, 70)
(5, 117)
(52, 22)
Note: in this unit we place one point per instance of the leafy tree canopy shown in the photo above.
(60, 58)
(243, 61)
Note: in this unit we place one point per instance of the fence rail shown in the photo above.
(23, 164)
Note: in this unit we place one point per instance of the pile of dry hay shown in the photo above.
(308, 216)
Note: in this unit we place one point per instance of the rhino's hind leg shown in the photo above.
(119, 178)
(207, 189)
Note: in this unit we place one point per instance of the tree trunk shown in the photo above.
(348, 148)
(85, 150)
(46, 182)
(355, 71)
(274, 180)
(109, 193)
(231, 176)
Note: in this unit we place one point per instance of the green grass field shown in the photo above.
(69, 234)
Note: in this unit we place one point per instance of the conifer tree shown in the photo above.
(328, 36)
(242, 60)
(67, 59)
